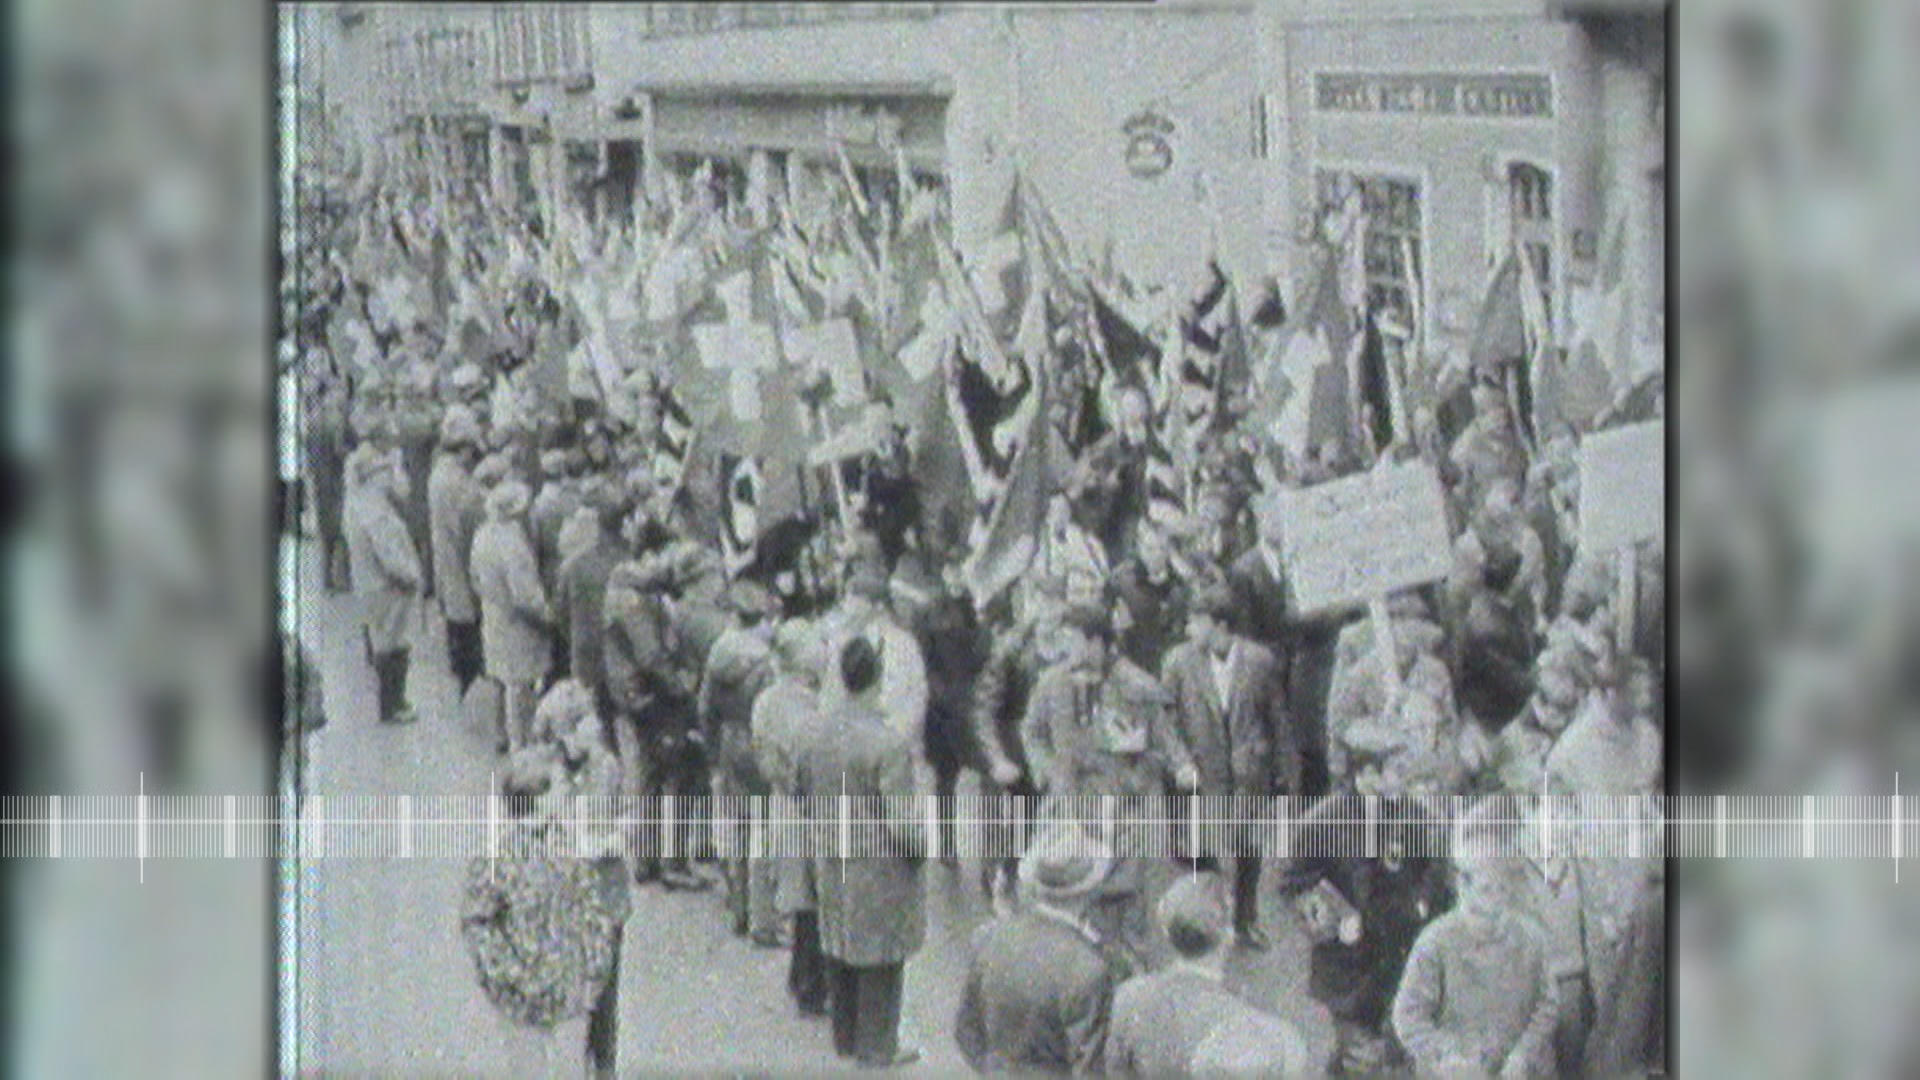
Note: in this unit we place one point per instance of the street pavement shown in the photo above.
(383, 984)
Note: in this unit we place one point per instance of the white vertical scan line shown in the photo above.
(1193, 831)
(406, 826)
(669, 834)
(1897, 825)
(53, 828)
(1719, 826)
(1806, 826)
(140, 837)
(1372, 803)
(1546, 827)
(933, 827)
(1633, 827)
(230, 838)
(493, 817)
(1283, 827)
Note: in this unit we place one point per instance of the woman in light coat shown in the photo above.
(515, 619)
(387, 573)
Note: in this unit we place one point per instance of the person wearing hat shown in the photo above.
(738, 668)
(1040, 979)
(559, 496)
(864, 611)
(514, 613)
(654, 697)
(1161, 1019)
(1604, 911)
(1236, 737)
(1386, 899)
(872, 907)
(1477, 995)
(386, 573)
(455, 507)
(1096, 725)
(786, 722)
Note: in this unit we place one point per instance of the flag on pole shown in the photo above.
(1500, 329)
(1014, 524)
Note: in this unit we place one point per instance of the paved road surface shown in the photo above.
(384, 984)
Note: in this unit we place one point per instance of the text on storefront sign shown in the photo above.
(1499, 96)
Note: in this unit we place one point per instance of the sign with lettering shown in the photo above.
(1149, 149)
(1623, 486)
(1481, 96)
(1363, 537)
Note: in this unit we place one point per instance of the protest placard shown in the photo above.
(1360, 538)
(1623, 486)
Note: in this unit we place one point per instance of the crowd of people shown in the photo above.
(567, 544)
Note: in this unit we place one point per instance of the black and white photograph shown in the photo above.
(1116, 538)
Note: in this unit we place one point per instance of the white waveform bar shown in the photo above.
(985, 826)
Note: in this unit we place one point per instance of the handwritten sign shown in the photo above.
(1623, 486)
(1483, 96)
(1365, 536)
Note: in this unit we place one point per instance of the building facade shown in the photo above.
(1471, 129)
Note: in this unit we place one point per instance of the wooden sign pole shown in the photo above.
(1626, 595)
(1386, 652)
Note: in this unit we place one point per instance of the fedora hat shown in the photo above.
(1064, 863)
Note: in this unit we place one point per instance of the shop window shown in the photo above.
(1530, 210)
(1393, 257)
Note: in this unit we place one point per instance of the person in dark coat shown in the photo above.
(1019, 652)
(326, 445)
(558, 498)
(1161, 1020)
(872, 909)
(1304, 644)
(581, 594)
(655, 696)
(1111, 477)
(955, 647)
(1040, 983)
(1153, 599)
(1230, 713)
(1356, 968)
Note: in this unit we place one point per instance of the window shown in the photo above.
(541, 43)
(1530, 209)
(1393, 258)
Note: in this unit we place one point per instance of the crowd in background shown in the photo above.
(560, 523)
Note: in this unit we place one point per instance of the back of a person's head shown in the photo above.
(859, 666)
(1193, 916)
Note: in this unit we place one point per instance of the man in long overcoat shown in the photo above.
(872, 913)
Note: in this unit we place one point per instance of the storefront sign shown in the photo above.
(1486, 96)
(1149, 147)
(1362, 538)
